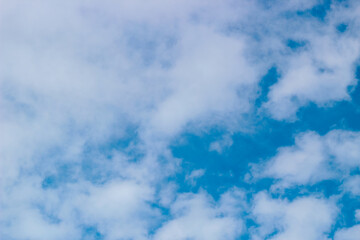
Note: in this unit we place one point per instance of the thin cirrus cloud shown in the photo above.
(96, 96)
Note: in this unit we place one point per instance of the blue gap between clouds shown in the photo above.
(223, 171)
(91, 233)
(228, 169)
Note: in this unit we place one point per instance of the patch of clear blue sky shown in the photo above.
(91, 233)
(319, 11)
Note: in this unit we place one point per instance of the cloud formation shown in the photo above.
(95, 95)
(281, 219)
(314, 158)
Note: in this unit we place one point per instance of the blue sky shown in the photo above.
(180, 120)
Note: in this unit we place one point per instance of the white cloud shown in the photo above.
(315, 76)
(351, 233)
(292, 220)
(76, 75)
(167, 194)
(194, 175)
(204, 82)
(313, 158)
(111, 206)
(323, 69)
(345, 147)
(196, 216)
(222, 144)
(357, 214)
(300, 164)
(118, 209)
(29, 212)
(352, 185)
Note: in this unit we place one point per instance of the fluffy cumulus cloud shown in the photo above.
(314, 158)
(141, 119)
(196, 216)
(303, 218)
(348, 234)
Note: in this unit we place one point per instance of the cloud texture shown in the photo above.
(97, 98)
